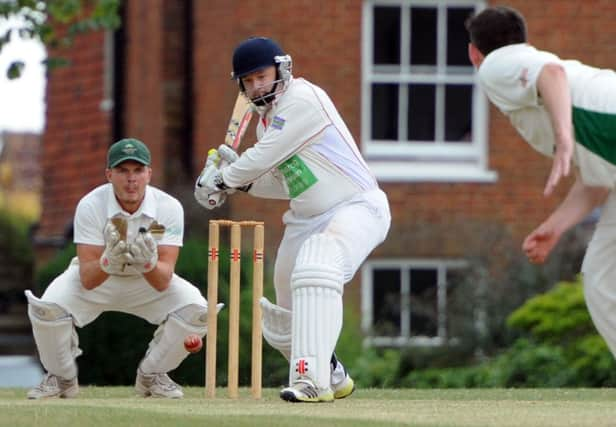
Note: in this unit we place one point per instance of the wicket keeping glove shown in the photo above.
(144, 252)
(115, 255)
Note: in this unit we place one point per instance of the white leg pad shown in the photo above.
(276, 326)
(55, 336)
(166, 350)
(317, 286)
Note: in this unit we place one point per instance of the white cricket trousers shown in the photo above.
(359, 225)
(132, 295)
(599, 270)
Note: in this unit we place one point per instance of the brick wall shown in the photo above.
(76, 135)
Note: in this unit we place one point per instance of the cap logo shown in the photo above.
(129, 149)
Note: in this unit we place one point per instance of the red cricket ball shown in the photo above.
(193, 343)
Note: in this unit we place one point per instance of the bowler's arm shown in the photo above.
(553, 88)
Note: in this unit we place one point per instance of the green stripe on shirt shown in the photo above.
(597, 132)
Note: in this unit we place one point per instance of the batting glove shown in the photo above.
(227, 154)
(144, 251)
(210, 188)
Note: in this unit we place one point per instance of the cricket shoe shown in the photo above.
(54, 386)
(341, 383)
(157, 385)
(304, 390)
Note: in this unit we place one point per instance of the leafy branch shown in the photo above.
(55, 23)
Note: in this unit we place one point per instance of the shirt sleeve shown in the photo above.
(292, 125)
(509, 76)
(87, 226)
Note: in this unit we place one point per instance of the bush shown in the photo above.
(16, 259)
(558, 347)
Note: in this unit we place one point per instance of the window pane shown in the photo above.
(424, 309)
(385, 111)
(386, 35)
(423, 36)
(457, 36)
(420, 118)
(386, 302)
(458, 113)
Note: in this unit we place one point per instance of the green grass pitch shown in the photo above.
(118, 406)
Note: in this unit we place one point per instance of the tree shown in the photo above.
(55, 23)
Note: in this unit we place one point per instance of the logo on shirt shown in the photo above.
(278, 122)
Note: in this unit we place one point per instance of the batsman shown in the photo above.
(306, 154)
(128, 236)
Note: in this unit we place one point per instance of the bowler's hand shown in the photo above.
(539, 244)
(560, 165)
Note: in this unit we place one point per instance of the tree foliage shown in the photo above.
(55, 23)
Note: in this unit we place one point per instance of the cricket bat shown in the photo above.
(238, 123)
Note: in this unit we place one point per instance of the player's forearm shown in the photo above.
(160, 277)
(91, 274)
(580, 201)
(554, 91)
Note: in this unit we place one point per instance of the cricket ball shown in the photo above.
(193, 343)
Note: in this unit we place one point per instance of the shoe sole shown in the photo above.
(289, 396)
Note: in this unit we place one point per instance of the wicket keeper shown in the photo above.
(128, 236)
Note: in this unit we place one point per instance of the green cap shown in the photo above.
(128, 149)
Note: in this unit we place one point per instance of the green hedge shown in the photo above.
(16, 257)
(557, 346)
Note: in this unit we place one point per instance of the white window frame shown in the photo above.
(433, 161)
(405, 338)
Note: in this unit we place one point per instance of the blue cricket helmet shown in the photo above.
(254, 54)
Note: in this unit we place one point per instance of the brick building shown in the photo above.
(462, 184)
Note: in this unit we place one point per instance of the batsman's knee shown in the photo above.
(320, 263)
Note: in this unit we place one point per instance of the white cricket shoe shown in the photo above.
(54, 386)
(341, 383)
(157, 385)
(304, 390)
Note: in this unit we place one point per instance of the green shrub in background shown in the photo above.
(557, 346)
(16, 258)
(114, 343)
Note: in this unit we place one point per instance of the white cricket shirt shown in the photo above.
(509, 78)
(98, 206)
(304, 153)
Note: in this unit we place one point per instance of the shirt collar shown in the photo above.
(147, 208)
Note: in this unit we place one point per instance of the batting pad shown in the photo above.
(276, 326)
(166, 350)
(55, 336)
(317, 286)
